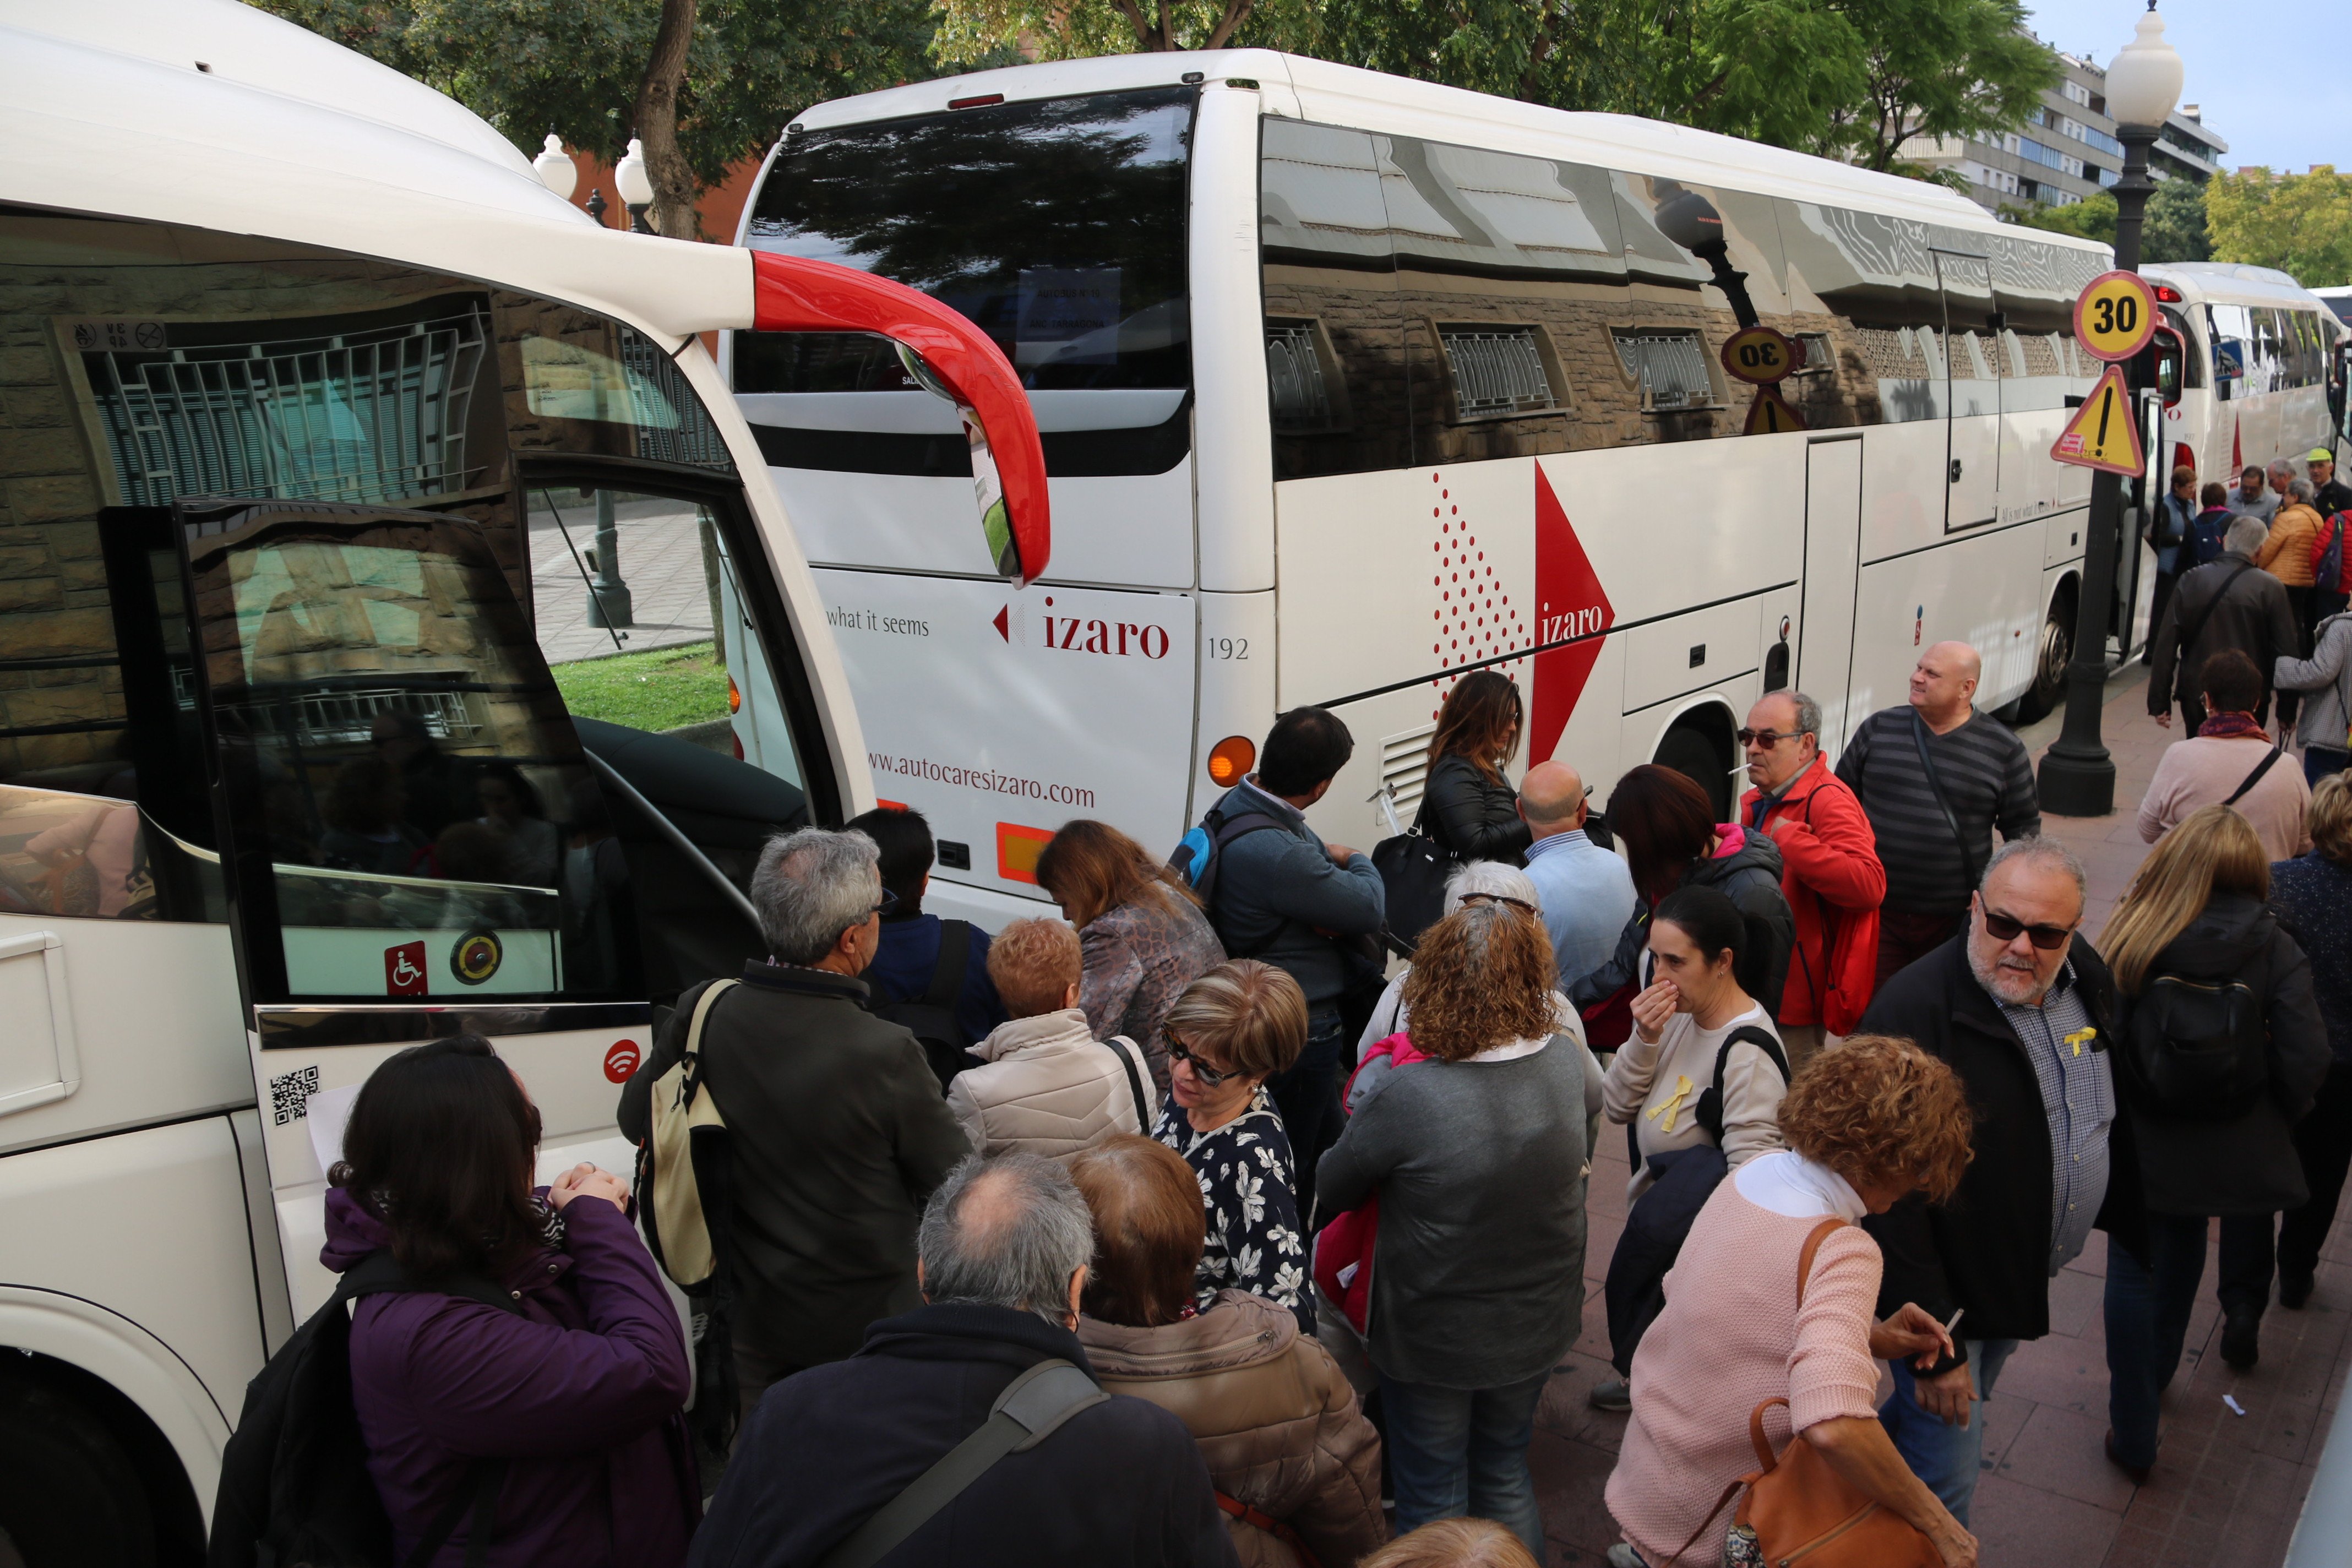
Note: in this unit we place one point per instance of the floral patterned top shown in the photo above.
(1254, 1242)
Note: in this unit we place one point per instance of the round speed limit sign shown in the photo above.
(2115, 317)
(1761, 356)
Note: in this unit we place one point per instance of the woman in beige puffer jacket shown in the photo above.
(1293, 1462)
(1048, 1086)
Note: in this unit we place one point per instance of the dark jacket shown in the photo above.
(1477, 818)
(1988, 1248)
(2247, 1166)
(838, 1134)
(1744, 866)
(2313, 896)
(2248, 611)
(910, 952)
(581, 1393)
(1119, 1484)
(2205, 533)
(1279, 898)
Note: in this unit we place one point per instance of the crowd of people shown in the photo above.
(1214, 1237)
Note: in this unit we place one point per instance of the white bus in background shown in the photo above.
(1349, 383)
(2255, 367)
(294, 349)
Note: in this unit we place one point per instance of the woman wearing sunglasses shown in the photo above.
(1232, 1029)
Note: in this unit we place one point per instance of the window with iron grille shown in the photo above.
(1496, 370)
(1819, 355)
(1293, 376)
(1669, 365)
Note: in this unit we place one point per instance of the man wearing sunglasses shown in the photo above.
(2019, 1004)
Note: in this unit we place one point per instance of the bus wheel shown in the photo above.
(70, 1494)
(1700, 757)
(2051, 656)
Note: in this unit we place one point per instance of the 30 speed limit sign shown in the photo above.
(1761, 356)
(2115, 317)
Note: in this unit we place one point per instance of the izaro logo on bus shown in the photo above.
(1081, 633)
(1573, 611)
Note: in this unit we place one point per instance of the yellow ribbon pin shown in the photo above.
(1668, 1107)
(2082, 1037)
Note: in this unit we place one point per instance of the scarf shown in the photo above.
(2232, 726)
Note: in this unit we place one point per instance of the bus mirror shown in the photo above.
(2162, 366)
(947, 356)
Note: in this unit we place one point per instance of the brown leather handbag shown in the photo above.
(1800, 1513)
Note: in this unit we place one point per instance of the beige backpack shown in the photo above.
(688, 1132)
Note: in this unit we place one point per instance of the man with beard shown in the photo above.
(2020, 1006)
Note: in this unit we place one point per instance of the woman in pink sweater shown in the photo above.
(1867, 1122)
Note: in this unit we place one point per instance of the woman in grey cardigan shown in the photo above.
(1478, 1159)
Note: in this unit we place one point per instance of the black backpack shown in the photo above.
(930, 1018)
(294, 1486)
(2200, 1049)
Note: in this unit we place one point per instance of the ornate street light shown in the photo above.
(2078, 776)
(555, 168)
(636, 187)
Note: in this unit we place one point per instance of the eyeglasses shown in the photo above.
(2048, 939)
(1178, 1051)
(1519, 904)
(889, 903)
(1768, 738)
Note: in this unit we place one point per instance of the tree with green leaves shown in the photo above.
(2300, 224)
(2173, 229)
(585, 70)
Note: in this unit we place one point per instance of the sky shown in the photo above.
(2235, 52)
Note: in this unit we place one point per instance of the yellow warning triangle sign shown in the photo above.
(1771, 414)
(2104, 432)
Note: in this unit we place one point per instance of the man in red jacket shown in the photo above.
(1830, 870)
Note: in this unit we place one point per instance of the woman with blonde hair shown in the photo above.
(1141, 935)
(1867, 1122)
(1468, 806)
(2222, 1052)
(1453, 1544)
(1477, 1156)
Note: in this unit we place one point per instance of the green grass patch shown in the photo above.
(663, 689)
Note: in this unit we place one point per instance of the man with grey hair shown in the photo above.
(1830, 870)
(835, 1129)
(1094, 1478)
(2019, 1006)
(2226, 603)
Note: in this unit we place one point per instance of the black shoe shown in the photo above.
(1611, 1395)
(2294, 1289)
(2240, 1332)
(2139, 1473)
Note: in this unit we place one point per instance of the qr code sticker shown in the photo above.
(289, 1095)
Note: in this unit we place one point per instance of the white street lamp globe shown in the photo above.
(2143, 80)
(555, 168)
(636, 187)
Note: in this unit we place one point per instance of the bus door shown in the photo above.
(1972, 390)
(390, 759)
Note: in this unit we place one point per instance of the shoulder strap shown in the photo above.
(1029, 1410)
(1821, 1233)
(1749, 1034)
(379, 1274)
(479, 1495)
(689, 1056)
(1120, 1046)
(1936, 788)
(947, 975)
(2191, 632)
(1259, 1519)
(2255, 777)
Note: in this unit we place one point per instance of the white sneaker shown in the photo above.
(1623, 1555)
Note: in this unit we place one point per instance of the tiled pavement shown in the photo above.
(660, 559)
(2227, 1489)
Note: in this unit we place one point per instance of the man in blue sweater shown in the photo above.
(1286, 896)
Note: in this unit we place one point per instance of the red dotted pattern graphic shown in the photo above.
(1474, 618)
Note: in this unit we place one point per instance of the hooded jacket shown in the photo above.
(1274, 1419)
(2327, 676)
(1745, 867)
(1050, 1088)
(581, 1393)
(1834, 882)
(2249, 1165)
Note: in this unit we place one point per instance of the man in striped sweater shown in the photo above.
(1936, 777)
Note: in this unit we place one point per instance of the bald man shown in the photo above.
(1587, 892)
(1936, 778)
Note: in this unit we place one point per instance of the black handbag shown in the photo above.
(1414, 870)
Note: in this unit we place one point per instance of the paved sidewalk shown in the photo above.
(660, 551)
(2227, 1489)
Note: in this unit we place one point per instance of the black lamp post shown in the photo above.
(2078, 776)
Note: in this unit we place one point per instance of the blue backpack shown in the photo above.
(1201, 852)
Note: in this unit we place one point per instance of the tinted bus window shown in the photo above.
(1058, 225)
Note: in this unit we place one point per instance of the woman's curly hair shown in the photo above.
(1481, 977)
(1876, 1110)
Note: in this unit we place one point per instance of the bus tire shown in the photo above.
(71, 1495)
(2051, 653)
(1701, 758)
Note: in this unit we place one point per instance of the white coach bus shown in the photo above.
(293, 354)
(1348, 384)
(2257, 346)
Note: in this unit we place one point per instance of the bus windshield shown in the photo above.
(1056, 224)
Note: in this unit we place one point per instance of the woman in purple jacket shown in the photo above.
(579, 1391)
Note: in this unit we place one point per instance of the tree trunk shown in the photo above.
(672, 177)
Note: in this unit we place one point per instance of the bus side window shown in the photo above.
(1335, 335)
